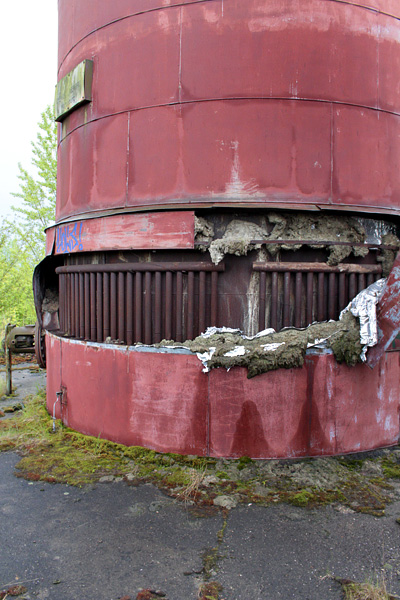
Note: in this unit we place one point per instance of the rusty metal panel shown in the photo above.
(148, 231)
(170, 405)
(388, 316)
(96, 378)
(50, 237)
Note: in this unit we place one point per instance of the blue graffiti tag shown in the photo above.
(68, 240)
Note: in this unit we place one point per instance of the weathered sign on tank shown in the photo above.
(74, 89)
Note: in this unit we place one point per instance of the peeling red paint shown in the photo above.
(388, 315)
(165, 402)
(123, 232)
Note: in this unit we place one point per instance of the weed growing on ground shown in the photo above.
(210, 591)
(368, 590)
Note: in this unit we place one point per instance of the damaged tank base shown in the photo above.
(285, 349)
(163, 400)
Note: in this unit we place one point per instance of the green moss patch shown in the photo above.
(364, 485)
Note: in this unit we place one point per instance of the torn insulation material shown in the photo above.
(269, 351)
(237, 240)
(341, 236)
(348, 339)
(363, 306)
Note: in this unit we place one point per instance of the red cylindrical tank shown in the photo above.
(285, 103)
(229, 163)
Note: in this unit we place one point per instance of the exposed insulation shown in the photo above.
(285, 349)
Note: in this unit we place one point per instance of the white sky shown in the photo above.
(28, 51)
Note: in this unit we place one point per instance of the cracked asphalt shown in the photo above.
(108, 541)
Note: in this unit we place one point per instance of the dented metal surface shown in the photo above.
(170, 405)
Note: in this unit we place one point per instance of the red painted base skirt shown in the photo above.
(165, 402)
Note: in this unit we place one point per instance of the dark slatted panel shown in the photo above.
(137, 306)
(297, 294)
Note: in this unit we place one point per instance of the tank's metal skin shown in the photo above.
(216, 111)
(290, 104)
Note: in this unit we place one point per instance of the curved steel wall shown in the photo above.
(290, 104)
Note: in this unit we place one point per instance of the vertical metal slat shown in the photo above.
(113, 306)
(147, 308)
(332, 296)
(310, 298)
(342, 291)
(168, 305)
(121, 307)
(286, 299)
(87, 306)
(99, 307)
(274, 300)
(106, 304)
(81, 306)
(138, 307)
(202, 301)
(93, 307)
(76, 277)
(361, 282)
(190, 305)
(261, 314)
(129, 309)
(61, 295)
(214, 298)
(321, 297)
(352, 286)
(298, 300)
(179, 307)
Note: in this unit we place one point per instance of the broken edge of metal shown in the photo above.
(388, 315)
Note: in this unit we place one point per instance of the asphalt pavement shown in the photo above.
(110, 540)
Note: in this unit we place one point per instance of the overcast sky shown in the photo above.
(28, 50)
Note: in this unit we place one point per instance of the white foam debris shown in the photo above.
(272, 347)
(260, 334)
(318, 342)
(214, 330)
(237, 351)
(205, 357)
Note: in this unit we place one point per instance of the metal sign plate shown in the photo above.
(74, 89)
